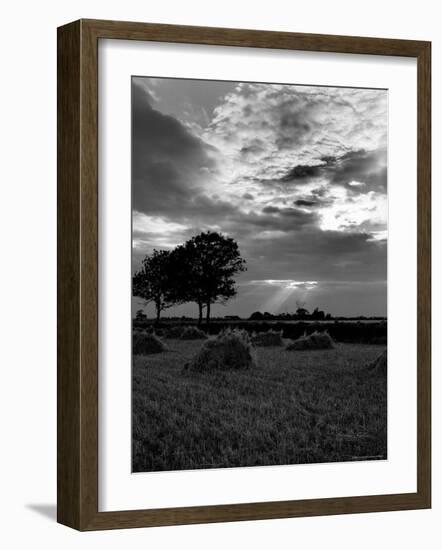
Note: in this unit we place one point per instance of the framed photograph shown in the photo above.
(243, 275)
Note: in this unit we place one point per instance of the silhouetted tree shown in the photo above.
(256, 316)
(302, 313)
(205, 265)
(184, 289)
(318, 315)
(153, 282)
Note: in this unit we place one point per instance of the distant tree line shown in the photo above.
(301, 314)
(201, 270)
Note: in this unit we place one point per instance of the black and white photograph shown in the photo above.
(259, 274)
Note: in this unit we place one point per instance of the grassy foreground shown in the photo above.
(296, 407)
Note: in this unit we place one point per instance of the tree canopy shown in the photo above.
(201, 270)
(152, 283)
(211, 261)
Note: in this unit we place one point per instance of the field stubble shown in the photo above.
(295, 407)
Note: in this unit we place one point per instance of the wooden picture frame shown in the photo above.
(78, 274)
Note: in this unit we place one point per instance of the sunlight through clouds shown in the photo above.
(286, 283)
(162, 232)
(283, 290)
(296, 174)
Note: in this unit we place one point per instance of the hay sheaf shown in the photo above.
(146, 343)
(230, 350)
(269, 338)
(379, 365)
(316, 340)
(174, 332)
(193, 333)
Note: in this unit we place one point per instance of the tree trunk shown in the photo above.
(208, 314)
(200, 316)
(158, 308)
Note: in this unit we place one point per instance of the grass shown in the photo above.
(268, 338)
(293, 408)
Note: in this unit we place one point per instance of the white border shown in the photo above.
(118, 488)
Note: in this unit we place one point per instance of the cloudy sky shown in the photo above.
(296, 174)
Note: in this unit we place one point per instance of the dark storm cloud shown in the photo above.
(305, 202)
(369, 167)
(271, 210)
(164, 134)
(366, 167)
(288, 243)
(208, 207)
(273, 218)
(328, 159)
(313, 254)
(302, 172)
(298, 214)
(168, 161)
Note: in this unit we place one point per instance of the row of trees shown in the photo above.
(201, 270)
(300, 314)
